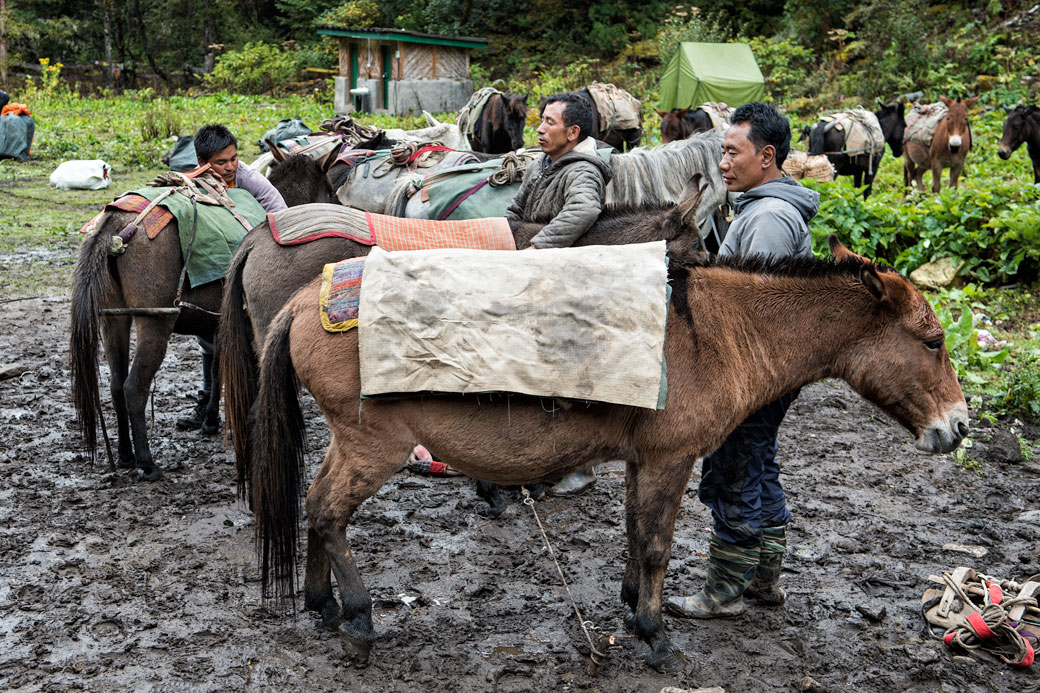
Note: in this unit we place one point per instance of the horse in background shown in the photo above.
(499, 124)
(948, 147)
(137, 290)
(620, 138)
(1022, 125)
(680, 123)
(739, 334)
(862, 166)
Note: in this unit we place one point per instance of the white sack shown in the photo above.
(82, 174)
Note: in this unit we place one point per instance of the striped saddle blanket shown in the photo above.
(305, 223)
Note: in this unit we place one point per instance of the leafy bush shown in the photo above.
(255, 69)
(787, 66)
(355, 13)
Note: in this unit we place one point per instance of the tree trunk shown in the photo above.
(106, 23)
(3, 41)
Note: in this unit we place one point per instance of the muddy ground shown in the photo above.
(108, 583)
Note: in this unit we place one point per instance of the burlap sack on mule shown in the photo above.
(584, 323)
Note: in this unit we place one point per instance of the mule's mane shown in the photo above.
(661, 173)
(793, 267)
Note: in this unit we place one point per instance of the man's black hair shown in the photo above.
(578, 112)
(211, 140)
(768, 126)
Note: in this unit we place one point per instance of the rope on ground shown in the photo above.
(596, 655)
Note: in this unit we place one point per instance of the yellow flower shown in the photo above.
(45, 61)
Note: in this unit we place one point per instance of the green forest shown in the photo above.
(814, 54)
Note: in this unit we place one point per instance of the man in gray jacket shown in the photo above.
(740, 482)
(565, 190)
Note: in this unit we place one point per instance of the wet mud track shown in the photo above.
(107, 583)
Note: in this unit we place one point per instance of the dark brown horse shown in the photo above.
(949, 147)
(740, 333)
(500, 124)
(1022, 125)
(621, 140)
(680, 123)
(862, 166)
(144, 277)
(263, 275)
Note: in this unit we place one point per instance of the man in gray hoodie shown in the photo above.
(564, 189)
(740, 482)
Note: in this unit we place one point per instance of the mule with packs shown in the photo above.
(364, 178)
(617, 116)
(854, 141)
(680, 123)
(937, 136)
(1022, 125)
(655, 175)
(131, 273)
(493, 121)
(737, 334)
(292, 247)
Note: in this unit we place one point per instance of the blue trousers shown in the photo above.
(740, 482)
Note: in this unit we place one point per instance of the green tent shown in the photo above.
(701, 72)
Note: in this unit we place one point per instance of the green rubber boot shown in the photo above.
(765, 587)
(730, 570)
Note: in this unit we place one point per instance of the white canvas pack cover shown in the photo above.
(583, 323)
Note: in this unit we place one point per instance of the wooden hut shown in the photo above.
(396, 71)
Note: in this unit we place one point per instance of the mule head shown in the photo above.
(680, 228)
(674, 126)
(899, 360)
(516, 118)
(893, 124)
(958, 132)
(301, 180)
(1016, 130)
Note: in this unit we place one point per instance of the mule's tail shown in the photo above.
(90, 283)
(236, 359)
(278, 442)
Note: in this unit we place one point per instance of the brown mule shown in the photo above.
(950, 145)
(740, 333)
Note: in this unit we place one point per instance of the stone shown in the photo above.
(12, 370)
(976, 551)
(936, 275)
(810, 685)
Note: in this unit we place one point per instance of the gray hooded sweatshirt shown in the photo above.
(772, 219)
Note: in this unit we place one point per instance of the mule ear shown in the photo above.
(946, 100)
(869, 276)
(660, 112)
(971, 102)
(1007, 109)
(840, 252)
(275, 150)
(690, 201)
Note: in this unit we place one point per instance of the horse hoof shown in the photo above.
(355, 650)
(126, 463)
(152, 473)
(668, 661)
(211, 428)
(629, 621)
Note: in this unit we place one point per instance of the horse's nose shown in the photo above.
(1004, 153)
(962, 428)
(954, 148)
